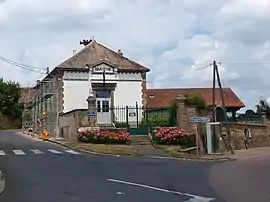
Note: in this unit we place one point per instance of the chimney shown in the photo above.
(48, 70)
(120, 52)
(74, 52)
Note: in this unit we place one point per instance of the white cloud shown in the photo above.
(171, 37)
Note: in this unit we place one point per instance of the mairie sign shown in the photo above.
(199, 119)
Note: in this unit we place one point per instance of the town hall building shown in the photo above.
(114, 80)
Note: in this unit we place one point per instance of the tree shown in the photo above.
(263, 107)
(9, 99)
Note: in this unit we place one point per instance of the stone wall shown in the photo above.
(10, 122)
(260, 135)
(260, 131)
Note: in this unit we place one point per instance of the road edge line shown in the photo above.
(2, 182)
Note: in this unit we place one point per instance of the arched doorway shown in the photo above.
(219, 114)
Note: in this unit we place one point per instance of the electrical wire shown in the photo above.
(23, 66)
(203, 67)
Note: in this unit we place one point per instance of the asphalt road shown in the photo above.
(41, 171)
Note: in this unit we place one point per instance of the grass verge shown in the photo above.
(126, 150)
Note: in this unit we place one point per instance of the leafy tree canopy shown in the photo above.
(9, 99)
(263, 107)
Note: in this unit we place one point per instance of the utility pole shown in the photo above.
(214, 93)
(223, 107)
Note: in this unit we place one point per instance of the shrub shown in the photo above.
(103, 137)
(155, 121)
(196, 100)
(121, 125)
(173, 136)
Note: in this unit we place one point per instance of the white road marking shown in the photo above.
(18, 152)
(54, 151)
(36, 151)
(72, 152)
(194, 197)
(2, 153)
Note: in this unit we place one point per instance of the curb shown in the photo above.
(80, 150)
(185, 158)
(204, 158)
(2, 182)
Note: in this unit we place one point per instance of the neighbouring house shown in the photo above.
(115, 80)
(160, 99)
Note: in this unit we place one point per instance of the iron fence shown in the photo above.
(138, 120)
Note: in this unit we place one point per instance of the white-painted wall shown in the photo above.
(76, 90)
(128, 90)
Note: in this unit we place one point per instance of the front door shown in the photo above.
(103, 102)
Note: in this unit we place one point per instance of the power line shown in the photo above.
(245, 62)
(17, 63)
(23, 66)
(203, 67)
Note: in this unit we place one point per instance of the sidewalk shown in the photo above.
(252, 153)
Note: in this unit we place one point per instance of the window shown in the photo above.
(103, 94)
(98, 106)
(105, 106)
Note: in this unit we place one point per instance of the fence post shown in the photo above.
(127, 116)
(137, 115)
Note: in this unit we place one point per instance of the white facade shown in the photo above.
(126, 91)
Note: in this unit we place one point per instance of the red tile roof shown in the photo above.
(158, 98)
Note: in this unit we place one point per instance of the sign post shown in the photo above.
(198, 120)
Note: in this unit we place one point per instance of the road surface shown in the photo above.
(44, 172)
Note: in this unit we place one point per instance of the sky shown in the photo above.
(176, 39)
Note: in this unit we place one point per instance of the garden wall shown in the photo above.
(260, 136)
(8, 122)
(70, 122)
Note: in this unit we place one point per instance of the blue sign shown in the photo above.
(91, 114)
(199, 119)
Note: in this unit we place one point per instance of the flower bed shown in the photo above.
(103, 137)
(173, 136)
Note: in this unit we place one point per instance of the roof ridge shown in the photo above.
(76, 54)
(122, 56)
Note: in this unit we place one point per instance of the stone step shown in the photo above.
(140, 140)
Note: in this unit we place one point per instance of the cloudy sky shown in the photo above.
(174, 38)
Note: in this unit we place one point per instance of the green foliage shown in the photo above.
(263, 107)
(10, 127)
(196, 100)
(9, 99)
(121, 125)
(155, 120)
(173, 113)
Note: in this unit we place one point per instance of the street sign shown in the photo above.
(91, 114)
(199, 119)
